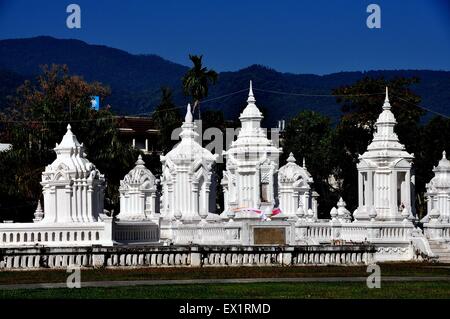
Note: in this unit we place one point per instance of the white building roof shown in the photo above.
(70, 158)
(385, 148)
(292, 172)
(5, 147)
(138, 176)
(252, 139)
(441, 180)
(189, 148)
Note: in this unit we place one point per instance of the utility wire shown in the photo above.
(318, 95)
(423, 107)
(112, 118)
(128, 115)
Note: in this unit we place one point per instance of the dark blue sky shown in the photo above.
(317, 36)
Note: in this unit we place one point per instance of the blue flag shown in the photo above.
(95, 102)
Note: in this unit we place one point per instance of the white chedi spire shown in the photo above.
(251, 97)
(251, 111)
(69, 144)
(386, 105)
(291, 158)
(444, 162)
(139, 161)
(188, 132)
(189, 147)
(385, 143)
(188, 118)
(39, 213)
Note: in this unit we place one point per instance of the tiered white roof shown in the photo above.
(386, 147)
(441, 180)
(186, 177)
(252, 138)
(138, 194)
(189, 149)
(292, 172)
(73, 188)
(71, 160)
(140, 176)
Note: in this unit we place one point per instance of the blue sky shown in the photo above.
(320, 36)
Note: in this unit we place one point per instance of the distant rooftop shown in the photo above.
(5, 147)
(135, 124)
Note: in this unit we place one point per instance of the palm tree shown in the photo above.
(196, 81)
(167, 119)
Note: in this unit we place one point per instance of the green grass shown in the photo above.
(247, 290)
(388, 290)
(393, 269)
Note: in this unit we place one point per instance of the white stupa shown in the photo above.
(138, 193)
(186, 177)
(438, 193)
(252, 163)
(73, 188)
(384, 173)
(294, 188)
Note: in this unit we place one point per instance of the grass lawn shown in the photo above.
(392, 269)
(436, 289)
(390, 290)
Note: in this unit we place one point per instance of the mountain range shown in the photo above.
(135, 80)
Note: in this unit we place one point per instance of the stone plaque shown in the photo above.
(269, 236)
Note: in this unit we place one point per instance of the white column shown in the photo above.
(393, 194)
(408, 202)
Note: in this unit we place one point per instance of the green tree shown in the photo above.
(196, 81)
(434, 139)
(309, 135)
(37, 119)
(167, 119)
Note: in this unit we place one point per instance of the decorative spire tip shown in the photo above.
(251, 97)
(140, 161)
(291, 158)
(386, 105)
(188, 118)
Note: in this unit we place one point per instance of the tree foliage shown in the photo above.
(196, 81)
(332, 151)
(167, 118)
(37, 119)
(309, 136)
